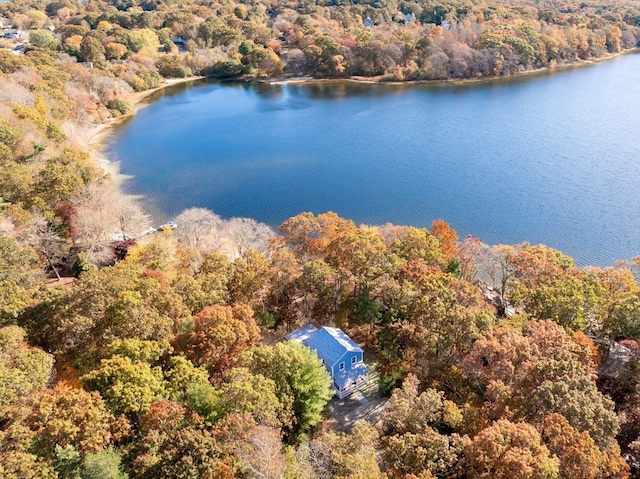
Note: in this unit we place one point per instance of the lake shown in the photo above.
(549, 158)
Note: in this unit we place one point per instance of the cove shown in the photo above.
(550, 158)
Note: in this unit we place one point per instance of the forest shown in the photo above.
(162, 355)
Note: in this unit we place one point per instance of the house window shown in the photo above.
(341, 366)
(353, 360)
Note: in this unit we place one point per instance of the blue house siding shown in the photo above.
(335, 348)
(347, 361)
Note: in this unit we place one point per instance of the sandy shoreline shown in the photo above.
(97, 135)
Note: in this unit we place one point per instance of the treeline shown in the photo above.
(393, 40)
(170, 363)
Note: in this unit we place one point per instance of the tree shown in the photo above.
(254, 394)
(580, 457)
(418, 245)
(19, 276)
(132, 220)
(303, 386)
(351, 456)
(308, 235)
(142, 38)
(103, 465)
(528, 377)
(66, 416)
(195, 224)
(249, 277)
(361, 252)
(246, 234)
(185, 453)
(91, 49)
(93, 220)
(261, 453)
(128, 387)
(103, 306)
(447, 237)
(43, 39)
(219, 335)
(506, 450)
(57, 183)
(622, 318)
(412, 443)
(23, 369)
(45, 238)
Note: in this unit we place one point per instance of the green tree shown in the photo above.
(622, 319)
(91, 49)
(142, 38)
(103, 465)
(303, 386)
(129, 387)
(43, 39)
(19, 277)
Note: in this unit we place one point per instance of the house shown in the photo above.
(367, 22)
(341, 357)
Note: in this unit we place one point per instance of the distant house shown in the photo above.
(367, 22)
(341, 357)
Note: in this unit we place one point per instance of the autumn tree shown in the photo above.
(506, 450)
(219, 335)
(414, 431)
(23, 369)
(66, 416)
(415, 244)
(104, 305)
(349, 456)
(528, 377)
(580, 457)
(447, 237)
(250, 273)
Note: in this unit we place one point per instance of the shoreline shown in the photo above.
(96, 135)
(379, 80)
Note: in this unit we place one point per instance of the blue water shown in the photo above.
(551, 158)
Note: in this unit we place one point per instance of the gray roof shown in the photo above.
(302, 334)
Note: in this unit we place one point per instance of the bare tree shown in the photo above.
(246, 233)
(132, 220)
(261, 455)
(195, 224)
(45, 238)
